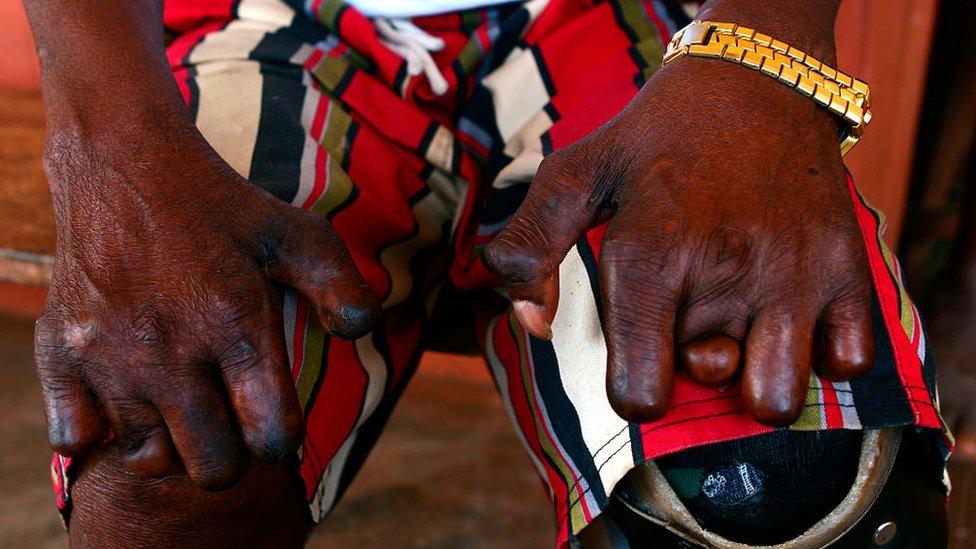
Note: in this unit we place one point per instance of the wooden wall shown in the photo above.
(18, 64)
(886, 43)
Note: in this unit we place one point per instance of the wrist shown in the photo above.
(804, 24)
(134, 153)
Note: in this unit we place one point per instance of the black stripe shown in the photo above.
(354, 192)
(543, 70)
(928, 364)
(551, 111)
(338, 16)
(401, 76)
(428, 137)
(343, 83)
(592, 272)
(676, 13)
(280, 143)
(546, 140)
(879, 395)
(456, 150)
(351, 135)
(563, 417)
(510, 30)
(636, 443)
(191, 84)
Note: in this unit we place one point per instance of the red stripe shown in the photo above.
(178, 54)
(831, 406)
(907, 362)
(506, 347)
(313, 59)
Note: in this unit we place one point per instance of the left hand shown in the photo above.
(731, 242)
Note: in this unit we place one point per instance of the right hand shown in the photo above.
(163, 320)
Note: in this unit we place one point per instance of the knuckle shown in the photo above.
(512, 257)
(234, 310)
(727, 250)
(352, 320)
(553, 167)
(630, 250)
(148, 329)
(851, 295)
(239, 356)
(214, 474)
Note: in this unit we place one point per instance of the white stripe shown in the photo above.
(376, 372)
(845, 397)
(414, 8)
(577, 338)
(230, 84)
(311, 148)
(518, 93)
(328, 488)
(230, 110)
(917, 323)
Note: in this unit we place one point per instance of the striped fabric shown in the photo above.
(303, 99)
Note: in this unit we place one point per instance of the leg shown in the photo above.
(114, 508)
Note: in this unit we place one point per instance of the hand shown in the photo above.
(731, 242)
(164, 310)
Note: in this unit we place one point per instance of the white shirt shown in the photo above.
(413, 8)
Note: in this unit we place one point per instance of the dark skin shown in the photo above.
(732, 248)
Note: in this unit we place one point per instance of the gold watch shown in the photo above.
(846, 97)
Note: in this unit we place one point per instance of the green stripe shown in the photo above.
(311, 369)
(811, 418)
(328, 12)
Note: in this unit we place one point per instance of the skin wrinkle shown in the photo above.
(735, 221)
(149, 218)
(161, 277)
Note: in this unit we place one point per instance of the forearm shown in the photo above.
(103, 67)
(804, 24)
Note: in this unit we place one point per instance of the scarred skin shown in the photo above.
(731, 237)
(163, 323)
(731, 240)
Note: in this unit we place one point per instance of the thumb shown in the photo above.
(307, 255)
(555, 214)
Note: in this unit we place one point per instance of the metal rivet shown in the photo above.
(885, 533)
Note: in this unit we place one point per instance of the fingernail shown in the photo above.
(533, 318)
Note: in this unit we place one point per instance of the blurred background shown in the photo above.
(916, 163)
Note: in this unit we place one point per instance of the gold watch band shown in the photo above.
(844, 96)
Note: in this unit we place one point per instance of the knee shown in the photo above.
(114, 508)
